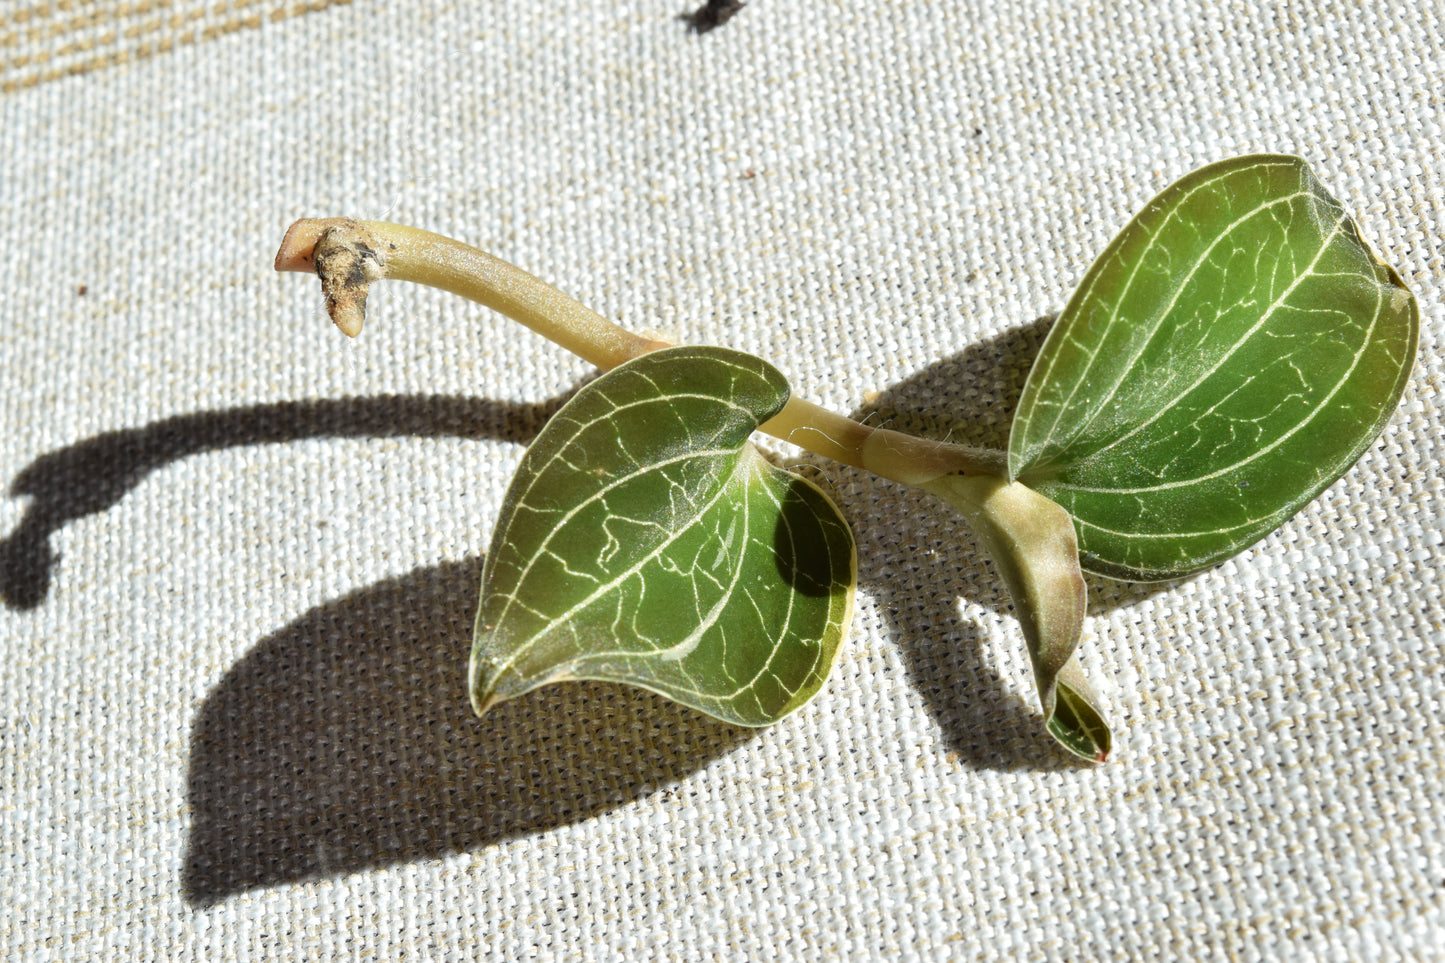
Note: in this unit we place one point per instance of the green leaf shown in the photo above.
(644, 540)
(1031, 541)
(1233, 352)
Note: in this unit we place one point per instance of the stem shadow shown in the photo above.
(345, 741)
(95, 474)
(911, 571)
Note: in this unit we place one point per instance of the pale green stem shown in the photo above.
(348, 255)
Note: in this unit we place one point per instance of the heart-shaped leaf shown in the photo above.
(1234, 351)
(644, 540)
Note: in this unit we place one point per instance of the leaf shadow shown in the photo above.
(93, 475)
(912, 569)
(345, 741)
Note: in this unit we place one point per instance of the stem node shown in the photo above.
(347, 260)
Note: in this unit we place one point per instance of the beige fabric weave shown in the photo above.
(240, 554)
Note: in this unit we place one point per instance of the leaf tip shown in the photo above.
(1078, 726)
(483, 686)
(482, 701)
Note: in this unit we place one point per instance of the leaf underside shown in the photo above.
(1233, 352)
(1032, 543)
(644, 540)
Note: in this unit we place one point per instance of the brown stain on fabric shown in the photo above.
(49, 41)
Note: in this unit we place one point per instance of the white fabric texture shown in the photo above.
(241, 553)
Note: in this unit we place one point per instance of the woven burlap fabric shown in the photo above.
(240, 554)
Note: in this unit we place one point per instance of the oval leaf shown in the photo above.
(644, 540)
(1232, 353)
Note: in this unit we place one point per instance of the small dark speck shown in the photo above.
(1244, 483)
(978, 132)
(970, 277)
(713, 14)
(82, 290)
(749, 174)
